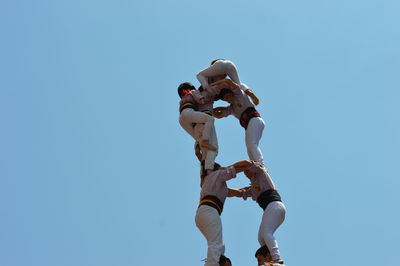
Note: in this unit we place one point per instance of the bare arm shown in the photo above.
(253, 97)
(242, 165)
(239, 192)
(197, 151)
(220, 112)
(232, 192)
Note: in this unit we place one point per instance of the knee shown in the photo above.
(210, 119)
(229, 65)
(268, 236)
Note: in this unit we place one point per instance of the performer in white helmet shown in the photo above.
(196, 117)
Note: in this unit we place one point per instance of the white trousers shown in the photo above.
(254, 133)
(209, 223)
(207, 155)
(273, 217)
(203, 129)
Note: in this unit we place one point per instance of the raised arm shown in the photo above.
(242, 165)
(250, 93)
(253, 97)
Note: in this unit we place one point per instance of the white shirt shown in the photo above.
(215, 183)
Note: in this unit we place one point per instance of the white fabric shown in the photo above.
(254, 133)
(188, 117)
(215, 183)
(273, 217)
(209, 223)
(207, 155)
(218, 68)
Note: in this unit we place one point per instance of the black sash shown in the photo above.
(267, 197)
(248, 114)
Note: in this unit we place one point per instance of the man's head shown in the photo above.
(224, 261)
(252, 170)
(215, 60)
(262, 255)
(226, 95)
(185, 88)
(203, 171)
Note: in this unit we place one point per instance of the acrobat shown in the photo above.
(213, 193)
(264, 192)
(240, 105)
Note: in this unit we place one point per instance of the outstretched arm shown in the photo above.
(220, 112)
(232, 192)
(239, 192)
(242, 165)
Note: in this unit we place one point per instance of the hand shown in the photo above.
(253, 97)
(202, 100)
(218, 112)
(242, 165)
(197, 152)
(225, 83)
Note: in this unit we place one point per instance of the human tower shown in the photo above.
(220, 81)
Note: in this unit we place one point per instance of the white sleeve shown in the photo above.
(228, 173)
(244, 87)
(218, 68)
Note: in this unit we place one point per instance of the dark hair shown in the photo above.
(224, 92)
(262, 251)
(215, 60)
(184, 88)
(203, 171)
(223, 260)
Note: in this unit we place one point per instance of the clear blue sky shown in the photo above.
(96, 171)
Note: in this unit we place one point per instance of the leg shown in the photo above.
(190, 116)
(254, 133)
(209, 154)
(209, 223)
(187, 126)
(273, 217)
(218, 68)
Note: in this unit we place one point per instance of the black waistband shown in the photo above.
(267, 197)
(212, 201)
(207, 112)
(248, 114)
(186, 106)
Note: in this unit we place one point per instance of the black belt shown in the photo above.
(212, 201)
(186, 106)
(248, 114)
(267, 197)
(207, 112)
